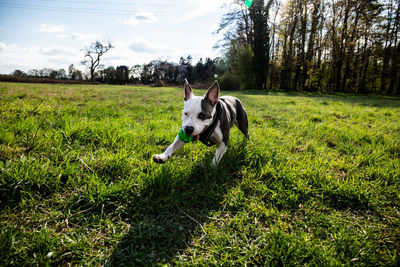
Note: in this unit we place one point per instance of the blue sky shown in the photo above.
(52, 33)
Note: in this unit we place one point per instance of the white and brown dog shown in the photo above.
(208, 119)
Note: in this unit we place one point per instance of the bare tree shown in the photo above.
(93, 54)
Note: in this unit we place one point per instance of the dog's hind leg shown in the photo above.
(241, 119)
(161, 158)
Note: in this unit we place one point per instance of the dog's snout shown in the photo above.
(189, 129)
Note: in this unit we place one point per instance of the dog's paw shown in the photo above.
(160, 158)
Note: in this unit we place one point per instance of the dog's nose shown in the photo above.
(189, 130)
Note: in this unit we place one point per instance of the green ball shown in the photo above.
(184, 137)
(248, 3)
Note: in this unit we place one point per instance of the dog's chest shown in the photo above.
(217, 136)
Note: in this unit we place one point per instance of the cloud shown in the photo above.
(142, 46)
(136, 19)
(51, 52)
(56, 51)
(51, 28)
(79, 36)
(202, 8)
(16, 57)
(125, 53)
(3, 47)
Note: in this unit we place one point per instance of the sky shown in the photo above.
(52, 33)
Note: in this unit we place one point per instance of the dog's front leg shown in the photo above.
(221, 148)
(161, 158)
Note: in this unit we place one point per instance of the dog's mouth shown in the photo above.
(197, 136)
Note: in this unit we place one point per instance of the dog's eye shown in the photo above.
(186, 114)
(203, 116)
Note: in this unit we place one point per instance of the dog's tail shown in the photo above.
(241, 119)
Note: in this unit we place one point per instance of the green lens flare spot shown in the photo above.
(184, 137)
(248, 3)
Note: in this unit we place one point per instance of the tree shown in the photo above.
(108, 75)
(245, 70)
(122, 74)
(78, 75)
(93, 55)
(236, 25)
(135, 72)
(288, 27)
(260, 43)
(391, 48)
(199, 71)
(18, 73)
(33, 72)
(71, 71)
(185, 69)
(61, 74)
(249, 27)
(146, 76)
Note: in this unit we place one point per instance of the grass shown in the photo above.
(317, 184)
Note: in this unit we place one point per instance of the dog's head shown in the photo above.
(198, 112)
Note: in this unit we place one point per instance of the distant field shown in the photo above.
(317, 184)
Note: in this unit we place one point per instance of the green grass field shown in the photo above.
(317, 184)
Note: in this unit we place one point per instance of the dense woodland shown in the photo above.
(314, 45)
(302, 45)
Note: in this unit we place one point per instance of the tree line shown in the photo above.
(313, 45)
(156, 72)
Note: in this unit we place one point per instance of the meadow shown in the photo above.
(318, 183)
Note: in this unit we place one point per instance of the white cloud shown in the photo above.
(201, 8)
(142, 46)
(125, 53)
(56, 51)
(3, 47)
(80, 36)
(16, 57)
(136, 19)
(51, 28)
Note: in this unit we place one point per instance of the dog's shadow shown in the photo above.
(166, 216)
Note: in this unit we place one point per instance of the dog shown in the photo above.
(208, 119)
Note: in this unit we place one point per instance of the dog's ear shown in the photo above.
(188, 91)
(213, 93)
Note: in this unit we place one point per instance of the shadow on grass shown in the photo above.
(165, 216)
(364, 100)
(372, 100)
